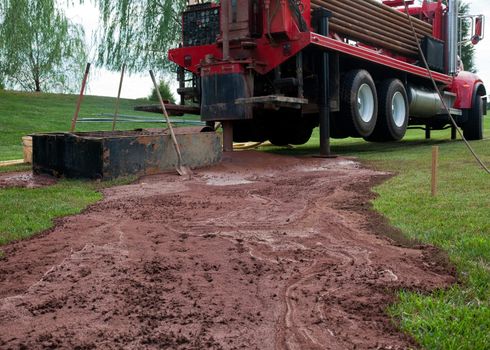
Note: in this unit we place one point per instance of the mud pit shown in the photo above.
(261, 252)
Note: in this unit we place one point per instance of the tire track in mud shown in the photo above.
(283, 253)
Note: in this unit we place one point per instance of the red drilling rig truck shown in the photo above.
(276, 69)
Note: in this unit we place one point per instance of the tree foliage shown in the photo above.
(467, 51)
(138, 32)
(40, 49)
(165, 92)
(2, 58)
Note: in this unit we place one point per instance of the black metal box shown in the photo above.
(109, 155)
(433, 50)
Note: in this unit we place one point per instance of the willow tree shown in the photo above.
(40, 49)
(2, 59)
(467, 49)
(138, 32)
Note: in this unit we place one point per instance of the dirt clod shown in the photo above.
(260, 252)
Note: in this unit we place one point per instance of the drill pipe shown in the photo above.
(401, 15)
(380, 26)
(355, 31)
(369, 39)
(354, 24)
(387, 26)
(377, 11)
(369, 35)
(378, 8)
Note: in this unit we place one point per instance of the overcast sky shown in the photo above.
(105, 83)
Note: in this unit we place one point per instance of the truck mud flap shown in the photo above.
(219, 95)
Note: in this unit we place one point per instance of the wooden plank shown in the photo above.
(435, 166)
(11, 162)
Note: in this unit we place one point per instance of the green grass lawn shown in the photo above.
(15, 168)
(458, 220)
(28, 211)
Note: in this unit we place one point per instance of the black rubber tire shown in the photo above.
(293, 131)
(473, 127)
(299, 137)
(386, 129)
(337, 129)
(349, 90)
(253, 130)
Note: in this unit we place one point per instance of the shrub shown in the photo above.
(165, 91)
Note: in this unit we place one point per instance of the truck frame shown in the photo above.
(276, 69)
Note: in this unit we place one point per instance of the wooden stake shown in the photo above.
(118, 97)
(435, 165)
(80, 99)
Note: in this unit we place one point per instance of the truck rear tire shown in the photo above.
(290, 127)
(393, 112)
(359, 103)
(299, 136)
(337, 129)
(296, 132)
(473, 127)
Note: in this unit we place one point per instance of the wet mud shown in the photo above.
(260, 252)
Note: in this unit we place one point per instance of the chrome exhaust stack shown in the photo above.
(452, 24)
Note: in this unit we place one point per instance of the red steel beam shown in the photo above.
(372, 56)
